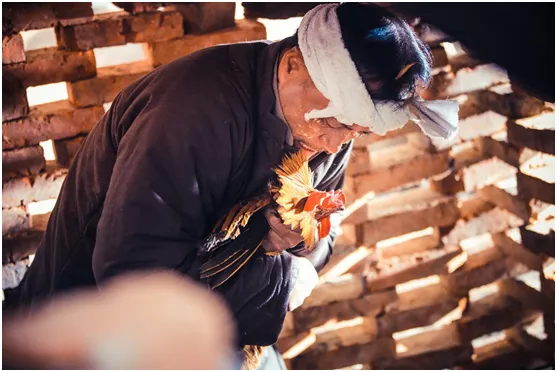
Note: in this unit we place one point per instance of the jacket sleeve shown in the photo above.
(166, 183)
(333, 180)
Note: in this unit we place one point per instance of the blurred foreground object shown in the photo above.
(140, 321)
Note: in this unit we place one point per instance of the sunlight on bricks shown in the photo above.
(48, 148)
(38, 39)
(120, 54)
(47, 93)
(100, 7)
(348, 262)
(41, 207)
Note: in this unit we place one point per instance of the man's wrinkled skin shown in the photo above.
(298, 95)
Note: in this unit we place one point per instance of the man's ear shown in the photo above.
(294, 60)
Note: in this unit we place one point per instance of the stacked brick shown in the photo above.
(166, 31)
(438, 239)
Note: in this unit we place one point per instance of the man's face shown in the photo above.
(298, 96)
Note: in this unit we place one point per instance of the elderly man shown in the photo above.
(183, 144)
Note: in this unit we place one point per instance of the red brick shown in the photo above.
(14, 220)
(493, 221)
(463, 61)
(388, 152)
(511, 104)
(50, 65)
(14, 98)
(18, 17)
(346, 235)
(485, 173)
(22, 191)
(502, 199)
(16, 247)
(383, 205)
(538, 243)
(426, 342)
(490, 147)
(12, 49)
(461, 282)
(439, 57)
(22, 162)
(106, 85)
(534, 188)
(54, 120)
(66, 149)
(431, 360)
(200, 18)
(415, 169)
(159, 26)
(103, 30)
(472, 205)
(426, 240)
(370, 353)
(136, 8)
(368, 139)
(467, 154)
(536, 133)
(490, 314)
(369, 305)
(438, 213)
(529, 297)
(347, 287)
(512, 249)
(167, 51)
(430, 264)
(469, 104)
(448, 183)
(484, 124)
(472, 79)
(413, 318)
(359, 162)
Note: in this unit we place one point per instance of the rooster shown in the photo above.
(238, 235)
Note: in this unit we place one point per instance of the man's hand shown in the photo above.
(280, 237)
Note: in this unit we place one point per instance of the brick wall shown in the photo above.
(29, 179)
(442, 243)
(439, 264)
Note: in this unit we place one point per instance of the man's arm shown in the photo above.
(156, 210)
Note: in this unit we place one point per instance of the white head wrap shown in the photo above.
(335, 75)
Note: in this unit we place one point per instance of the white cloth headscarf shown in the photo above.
(335, 75)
